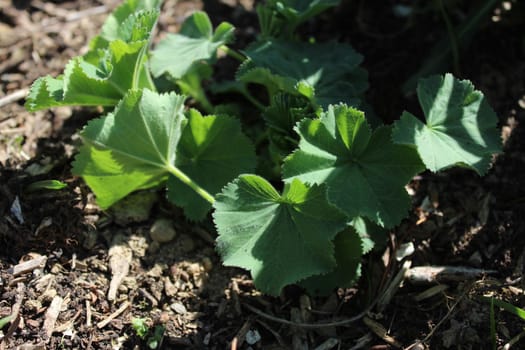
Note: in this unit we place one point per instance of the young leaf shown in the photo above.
(371, 234)
(281, 116)
(285, 111)
(196, 41)
(133, 148)
(460, 126)
(364, 171)
(85, 84)
(348, 253)
(281, 239)
(45, 185)
(117, 24)
(191, 84)
(331, 69)
(281, 17)
(212, 151)
(299, 11)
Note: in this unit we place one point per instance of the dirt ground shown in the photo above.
(75, 277)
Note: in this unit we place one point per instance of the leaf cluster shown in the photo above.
(299, 193)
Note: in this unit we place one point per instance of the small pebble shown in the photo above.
(162, 231)
(178, 308)
(252, 336)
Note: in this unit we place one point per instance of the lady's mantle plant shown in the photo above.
(332, 181)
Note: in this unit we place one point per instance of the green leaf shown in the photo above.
(300, 11)
(372, 235)
(517, 311)
(364, 171)
(279, 18)
(5, 320)
(212, 151)
(85, 84)
(281, 239)
(285, 111)
(148, 141)
(140, 326)
(191, 84)
(196, 41)
(329, 69)
(348, 254)
(46, 185)
(117, 24)
(281, 116)
(460, 126)
(133, 148)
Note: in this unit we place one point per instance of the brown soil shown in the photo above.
(74, 277)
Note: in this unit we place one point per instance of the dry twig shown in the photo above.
(13, 97)
(114, 315)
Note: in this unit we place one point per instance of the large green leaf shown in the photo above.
(281, 239)
(364, 171)
(330, 69)
(148, 141)
(212, 152)
(196, 41)
(348, 255)
(133, 148)
(460, 126)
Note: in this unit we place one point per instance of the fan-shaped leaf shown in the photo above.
(330, 69)
(348, 254)
(132, 148)
(281, 239)
(460, 126)
(212, 152)
(364, 171)
(196, 41)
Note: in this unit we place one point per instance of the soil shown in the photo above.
(75, 277)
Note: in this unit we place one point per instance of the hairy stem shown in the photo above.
(233, 53)
(254, 101)
(454, 46)
(192, 184)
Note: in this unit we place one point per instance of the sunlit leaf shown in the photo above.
(281, 239)
(364, 171)
(460, 126)
(196, 41)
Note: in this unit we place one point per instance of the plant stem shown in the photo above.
(254, 101)
(454, 46)
(233, 53)
(193, 185)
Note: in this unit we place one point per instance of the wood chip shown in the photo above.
(119, 259)
(114, 315)
(330, 343)
(381, 332)
(28, 266)
(51, 316)
(443, 274)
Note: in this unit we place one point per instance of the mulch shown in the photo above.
(75, 277)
